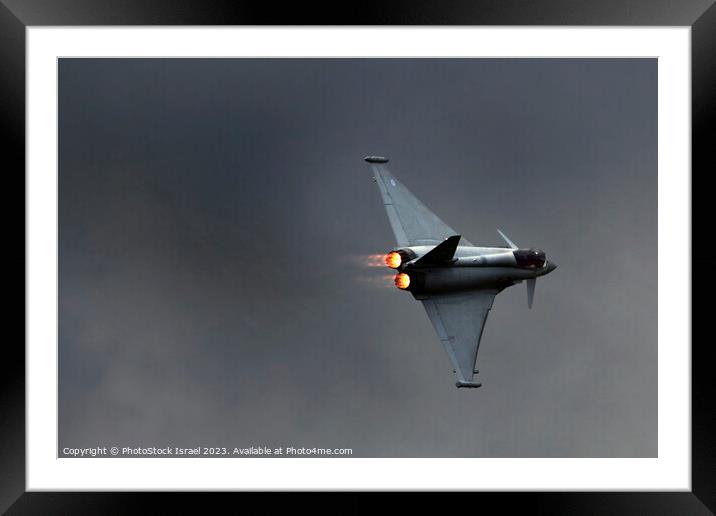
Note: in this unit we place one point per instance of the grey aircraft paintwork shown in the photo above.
(456, 281)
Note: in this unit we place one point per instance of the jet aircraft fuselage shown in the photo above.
(470, 268)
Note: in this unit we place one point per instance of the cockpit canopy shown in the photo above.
(530, 258)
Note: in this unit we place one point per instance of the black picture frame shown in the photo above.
(700, 15)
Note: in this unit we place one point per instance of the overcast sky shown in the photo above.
(215, 219)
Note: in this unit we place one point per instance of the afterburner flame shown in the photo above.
(393, 260)
(402, 280)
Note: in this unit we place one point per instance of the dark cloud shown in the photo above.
(213, 219)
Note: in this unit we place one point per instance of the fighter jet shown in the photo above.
(455, 280)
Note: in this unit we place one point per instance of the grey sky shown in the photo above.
(214, 220)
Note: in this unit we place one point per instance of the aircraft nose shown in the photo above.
(551, 266)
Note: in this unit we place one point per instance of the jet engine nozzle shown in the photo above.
(402, 281)
(393, 260)
(413, 281)
(397, 259)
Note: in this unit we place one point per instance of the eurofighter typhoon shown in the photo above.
(455, 280)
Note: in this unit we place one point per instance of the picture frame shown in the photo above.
(16, 16)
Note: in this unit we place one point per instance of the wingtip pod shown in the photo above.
(376, 159)
(467, 385)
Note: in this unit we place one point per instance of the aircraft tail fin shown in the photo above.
(441, 253)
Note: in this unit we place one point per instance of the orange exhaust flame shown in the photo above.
(372, 260)
(393, 260)
(382, 281)
(402, 281)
